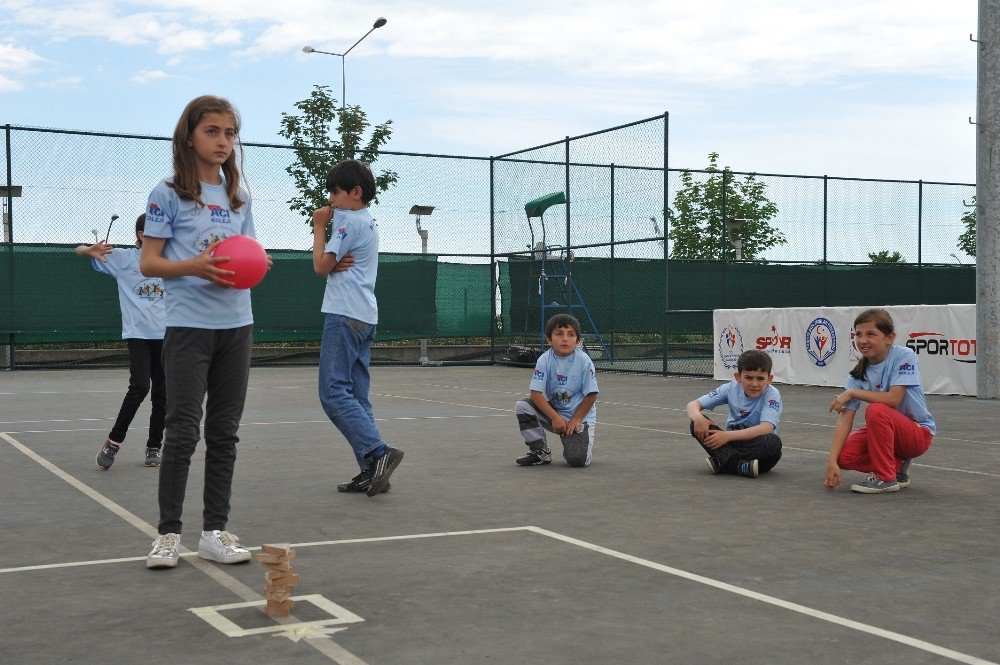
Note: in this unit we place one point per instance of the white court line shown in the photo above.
(677, 572)
(254, 423)
(324, 645)
(771, 600)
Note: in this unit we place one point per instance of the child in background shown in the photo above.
(563, 398)
(143, 314)
(351, 314)
(750, 444)
(898, 426)
(206, 349)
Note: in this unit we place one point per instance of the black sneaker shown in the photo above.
(382, 468)
(360, 483)
(533, 457)
(747, 468)
(903, 476)
(713, 464)
(106, 457)
(152, 457)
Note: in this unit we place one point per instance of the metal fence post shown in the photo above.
(614, 285)
(568, 241)
(666, 227)
(920, 222)
(495, 316)
(826, 272)
(8, 356)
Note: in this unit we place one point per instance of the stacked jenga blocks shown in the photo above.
(280, 579)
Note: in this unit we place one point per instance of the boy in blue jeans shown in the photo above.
(563, 397)
(749, 445)
(351, 313)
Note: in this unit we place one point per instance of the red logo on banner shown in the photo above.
(774, 343)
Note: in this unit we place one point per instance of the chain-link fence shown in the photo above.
(732, 240)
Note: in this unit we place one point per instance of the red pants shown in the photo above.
(887, 438)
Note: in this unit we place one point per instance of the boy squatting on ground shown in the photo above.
(563, 396)
(749, 445)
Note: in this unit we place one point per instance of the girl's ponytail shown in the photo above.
(882, 321)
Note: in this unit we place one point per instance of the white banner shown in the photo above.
(814, 346)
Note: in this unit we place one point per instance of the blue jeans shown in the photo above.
(344, 356)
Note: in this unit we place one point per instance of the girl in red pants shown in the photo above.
(898, 426)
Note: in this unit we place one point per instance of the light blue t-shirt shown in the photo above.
(352, 292)
(189, 228)
(745, 411)
(140, 298)
(898, 369)
(565, 381)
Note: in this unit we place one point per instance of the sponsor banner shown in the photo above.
(815, 346)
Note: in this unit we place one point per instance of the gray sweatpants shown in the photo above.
(577, 449)
(197, 362)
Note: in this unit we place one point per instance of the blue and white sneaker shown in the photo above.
(748, 468)
(875, 485)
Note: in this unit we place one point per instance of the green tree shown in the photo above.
(317, 149)
(967, 241)
(696, 218)
(885, 257)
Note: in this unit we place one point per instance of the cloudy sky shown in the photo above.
(881, 88)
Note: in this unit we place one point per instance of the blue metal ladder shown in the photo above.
(570, 298)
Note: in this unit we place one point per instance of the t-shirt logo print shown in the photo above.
(219, 215)
(342, 232)
(155, 213)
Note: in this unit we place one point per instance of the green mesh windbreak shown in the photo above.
(49, 294)
(626, 295)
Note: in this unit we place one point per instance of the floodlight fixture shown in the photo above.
(379, 22)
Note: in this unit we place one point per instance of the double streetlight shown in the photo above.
(343, 58)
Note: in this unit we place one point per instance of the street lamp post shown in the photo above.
(343, 58)
(420, 211)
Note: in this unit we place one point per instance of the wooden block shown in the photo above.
(280, 578)
(279, 594)
(277, 548)
(279, 588)
(276, 609)
(274, 558)
(282, 566)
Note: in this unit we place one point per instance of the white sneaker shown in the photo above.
(166, 550)
(222, 546)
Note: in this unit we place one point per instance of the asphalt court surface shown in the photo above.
(643, 557)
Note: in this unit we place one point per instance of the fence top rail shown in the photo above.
(506, 157)
(584, 136)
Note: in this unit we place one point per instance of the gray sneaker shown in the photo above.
(713, 464)
(903, 475)
(152, 457)
(166, 550)
(106, 456)
(875, 485)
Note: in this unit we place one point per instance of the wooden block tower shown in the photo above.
(280, 579)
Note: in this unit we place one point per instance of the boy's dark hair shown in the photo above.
(753, 361)
(349, 174)
(561, 321)
(140, 225)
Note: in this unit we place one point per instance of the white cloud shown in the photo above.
(728, 43)
(146, 76)
(10, 85)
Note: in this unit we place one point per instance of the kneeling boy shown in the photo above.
(749, 445)
(563, 395)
